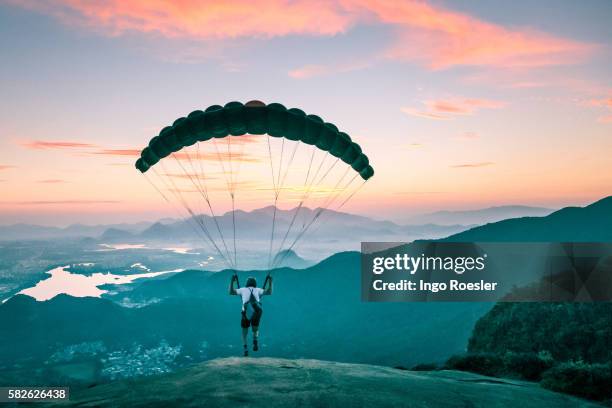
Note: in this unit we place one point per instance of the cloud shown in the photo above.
(52, 181)
(191, 176)
(218, 156)
(310, 71)
(63, 202)
(411, 146)
(429, 34)
(442, 38)
(605, 103)
(422, 114)
(183, 154)
(243, 185)
(6, 166)
(527, 84)
(419, 192)
(206, 20)
(468, 136)
(118, 152)
(187, 155)
(462, 106)
(445, 109)
(605, 119)
(92, 149)
(244, 139)
(472, 165)
(48, 145)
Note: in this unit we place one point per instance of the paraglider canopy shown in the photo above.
(185, 142)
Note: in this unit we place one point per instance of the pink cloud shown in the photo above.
(527, 84)
(462, 106)
(118, 152)
(6, 166)
(423, 114)
(63, 202)
(472, 165)
(442, 38)
(185, 155)
(468, 136)
(605, 119)
(200, 19)
(309, 71)
(604, 102)
(47, 145)
(51, 181)
(445, 109)
(244, 139)
(430, 34)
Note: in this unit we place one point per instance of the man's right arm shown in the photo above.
(232, 290)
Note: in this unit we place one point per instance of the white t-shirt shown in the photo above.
(245, 293)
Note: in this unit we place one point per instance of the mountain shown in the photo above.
(28, 231)
(331, 230)
(480, 216)
(274, 382)
(592, 223)
(116, 234)
(330, 226)
(313, 313)
(288, 258)
(327, 320)
(572, 338)
(159, 231)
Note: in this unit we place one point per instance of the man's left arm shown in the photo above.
(267, 289)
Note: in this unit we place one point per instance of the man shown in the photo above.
(251, 307)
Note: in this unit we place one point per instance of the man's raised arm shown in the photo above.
(267, 286)
(232, 290)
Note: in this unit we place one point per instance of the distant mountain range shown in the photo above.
(592, 223)
(252, 225)
(258, 222)
(481, 216)
(330, 226)
(29, 231)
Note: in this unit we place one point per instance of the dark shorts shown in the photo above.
(245, 323)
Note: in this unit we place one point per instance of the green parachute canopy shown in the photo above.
(256, 118)
(206, 152)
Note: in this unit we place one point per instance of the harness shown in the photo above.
(252, 305)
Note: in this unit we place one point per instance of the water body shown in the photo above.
(63, 281)
(121, 247)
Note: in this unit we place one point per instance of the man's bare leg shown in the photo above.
(255, 338)
(245, 332)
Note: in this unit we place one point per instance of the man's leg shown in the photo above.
(255, 324)
(244, 323)
(245, 332)
(255, 338)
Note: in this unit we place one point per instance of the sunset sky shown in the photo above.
(459, 104)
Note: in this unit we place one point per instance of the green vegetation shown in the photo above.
(593, 381)
(568, 331)
(525, 366)
(568, 346)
